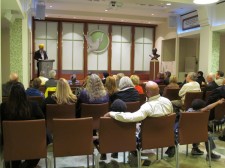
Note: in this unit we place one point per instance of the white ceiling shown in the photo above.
(134, 11)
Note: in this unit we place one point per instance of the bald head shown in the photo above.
(152, 89)
(13, 77)
(210, 77)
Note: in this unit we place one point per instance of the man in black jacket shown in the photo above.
(40, 55)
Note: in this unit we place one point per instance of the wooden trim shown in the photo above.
(153, 38)
(110, 50)
(132, 49)
(33, 48)
(59, 50)
(85, 51)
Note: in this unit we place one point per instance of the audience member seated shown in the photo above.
(219, 78)
(62, 95)
(159, 78)
(51, 82)
(126, 92)
(184, 82)
(118, 77)
(172, 84)
(34, 90)
(105, 75)
(6, 87)
(200, 78)
(94, 93)
(190, 86)
(85, 80)
(19, 108)
(211, 84)
(43, 78)
(117, 106)
(136, 80)
(110, 86)
(198, 105)
(167, 77)
(156, 106)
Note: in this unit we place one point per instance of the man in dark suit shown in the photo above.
(40, 55)
(211, 84)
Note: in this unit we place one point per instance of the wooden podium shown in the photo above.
(46, 66)
(154, 69)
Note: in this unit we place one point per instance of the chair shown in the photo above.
(133, 106)
(207, 94)
(189, 97)
(154, 134)
(172, 94)
(142, 98)
(219, 116)
(24, 140)
(72, 137)
(59, 111)
(38, 99)
(94, 110)
(4, 99)
(161, 88)
(191, 130)
(115, 136)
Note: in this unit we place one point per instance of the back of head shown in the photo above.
(210, 77)
(167, 74)
(118, 105)
(152, 89)
(192, 76)
(125, 82)
(52, 73)
(13, 77)
(197, 104)
(200, 73)
(36, 83)
(220, 73)
(105, 74)
(173, 79)
(110, 84)
(118, 77)
(135, 79)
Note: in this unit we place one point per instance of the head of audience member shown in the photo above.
(135, 79)
(52, 74)
(125, 82)
(173, 79)
(152, 89)
(63, 93)
(73, 78)
(118, 106)
(110, 85)
(94, 87)
(167, 74)
(36, 83)
(200, 73)
(13, 77)
(210, 77)
(105, 75)
(160, 75)
(17, 104)
(197, 104)
(42, 73)
(219, 74)
(192, 76)
(41, 46)
(118, 77)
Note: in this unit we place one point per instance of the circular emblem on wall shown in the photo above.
(97, 40)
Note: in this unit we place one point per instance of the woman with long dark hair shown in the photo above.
(17, 107)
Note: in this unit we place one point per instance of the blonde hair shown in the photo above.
(173, 79)
(63, 93)
(41, 46)
(135, 79)
(110, 85)
(94, 87)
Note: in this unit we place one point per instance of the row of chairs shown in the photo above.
(73, 137)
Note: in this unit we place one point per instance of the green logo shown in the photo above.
(98, 41)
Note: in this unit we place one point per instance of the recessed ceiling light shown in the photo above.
(149, 22)
(106, 10)
(205, 1)
(101, 19)
(152, 14)
(74, 17)
(50, 6)
(168, 4)
(46, 15)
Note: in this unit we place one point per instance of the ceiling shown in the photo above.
(133, 11)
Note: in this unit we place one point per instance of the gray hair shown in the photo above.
(192, 76)
(212, 76)
(52, 73)
(125, 82)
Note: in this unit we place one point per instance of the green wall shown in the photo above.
(215, 52)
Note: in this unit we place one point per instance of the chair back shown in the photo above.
(172, 94)
(116, 136)
(4, 99)
(133, 106)
(59, 111)
(157, 132)
(193, 127)
(25, 139)
(72, 137)
(189, 97)
(38, 99)
(142, 98)
(220, 112)
(207, 94)
(161, 88)
(94, 110)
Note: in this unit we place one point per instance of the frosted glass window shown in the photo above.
(52, 29)
(116, 33)
(40, 30)
(67, 32)
(52, 51)
(78, 59)
(143, 47)
(92, 61)
(116, 49)
(126, 34)
(125, 56)
(103, 61)
(67, 55)
(78, 31)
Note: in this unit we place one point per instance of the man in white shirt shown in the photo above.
(219, 78)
